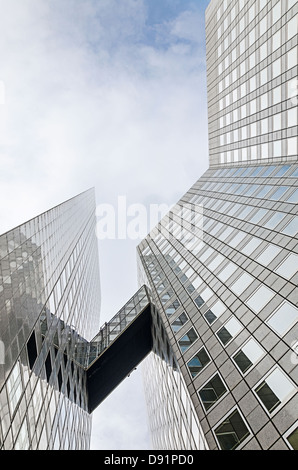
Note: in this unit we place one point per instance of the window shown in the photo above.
(179, 322)
(260, 298)
(248, 355)
(251, 246)
(166, 297)
(258, 216)
(292, 27)
(274, 390)
(212, 391)
(274, 220)
(263, 191)
(187, 340)
(288, 267)
(229, 330)
(32, 350)
(283, 318)
(172, 308)
(242, 283)
(268, 255)
(276, 41)
(212, 314)
(231, 432)
(293, 439)
(279, 193)
(198, 362)
(227, 271)
(292, 117)
(276, 12)
(238, 238)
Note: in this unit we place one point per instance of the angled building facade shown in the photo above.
(222, 267)
(49, 294)
(216, 315)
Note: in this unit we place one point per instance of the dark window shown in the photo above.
(60, 380)
(224, 335)
(199, 301)
(187, 340)
(293, 439)
(242, 361)
(212, 391)
(268, 397)
(32, 350)
(48, 366)
(231, 432)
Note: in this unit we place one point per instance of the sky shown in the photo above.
(108, 94)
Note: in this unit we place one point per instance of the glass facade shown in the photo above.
(49, 293)
(232, 316)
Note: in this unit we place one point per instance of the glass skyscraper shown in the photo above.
(216, 314)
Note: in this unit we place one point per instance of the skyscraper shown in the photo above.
(49, 293)
(222, 266)
(217, 305)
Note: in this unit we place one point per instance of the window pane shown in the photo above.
(179, 322)
(260, 298)
(288, 267)
(186, 341)
(268, 397)
(242, 283)
(293, 439)
(198, 362)
(284, 317)
(242, 361)
(274, 220)
(231, 432)
(268, 255)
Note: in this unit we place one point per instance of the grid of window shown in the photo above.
(51, 262)
(237, 286)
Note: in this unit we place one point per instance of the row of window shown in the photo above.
(276, 149)
(259, 191)
(274, 123)
(271, 171)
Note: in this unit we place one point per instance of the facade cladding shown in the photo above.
(49, 292)
(222, 266)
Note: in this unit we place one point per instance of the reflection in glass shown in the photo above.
(198, 362)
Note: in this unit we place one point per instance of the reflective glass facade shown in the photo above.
(231, 312)
(49, 296)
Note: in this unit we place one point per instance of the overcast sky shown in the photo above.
(108, 94)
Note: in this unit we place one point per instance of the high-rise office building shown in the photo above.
(222, 266)
(49, 293)
(219, 306)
